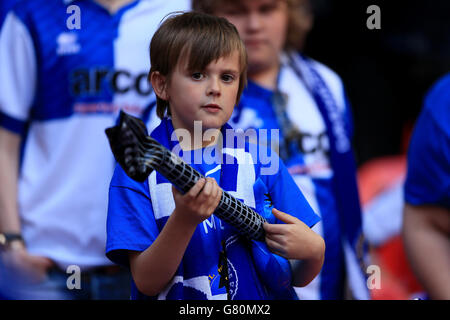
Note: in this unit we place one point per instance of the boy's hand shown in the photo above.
(293, 240)
(198, 203)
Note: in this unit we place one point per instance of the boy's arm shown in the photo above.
(295, 241)
(153, 268)
(304, 271)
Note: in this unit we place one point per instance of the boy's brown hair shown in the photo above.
(298, 13)
(198, 37)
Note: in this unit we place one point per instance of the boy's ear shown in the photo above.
(159, 84)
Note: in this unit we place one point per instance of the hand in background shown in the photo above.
(25, 265)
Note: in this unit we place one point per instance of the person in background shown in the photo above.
(68, 67)
(426, 214)
(306, 101)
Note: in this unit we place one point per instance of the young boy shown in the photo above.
(174, 245)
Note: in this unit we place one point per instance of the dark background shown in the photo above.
(386, 72)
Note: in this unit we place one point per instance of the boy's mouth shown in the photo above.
(212, 107)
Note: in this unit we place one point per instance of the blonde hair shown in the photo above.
(198, 37)
(298, 11)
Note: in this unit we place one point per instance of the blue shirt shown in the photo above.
(428, 175)
(138, 212)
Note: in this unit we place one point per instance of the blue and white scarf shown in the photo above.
(344, 174)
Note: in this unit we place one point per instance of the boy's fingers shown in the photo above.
(219, 194)
(286, 218)
(277, 237)
(216, 195)
(273, 228)
(277, 241)
(217, 190)
(196, 188)
(275, 247)
(211, 189)
(208, 188)
(175, 191)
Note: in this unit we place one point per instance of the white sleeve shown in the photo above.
(18, 69)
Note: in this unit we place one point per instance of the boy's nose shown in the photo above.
(213, 88)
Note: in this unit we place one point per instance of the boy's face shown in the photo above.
(204, 95)
(262, 25)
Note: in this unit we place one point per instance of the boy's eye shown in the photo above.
(227, 77)
(197, 76)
